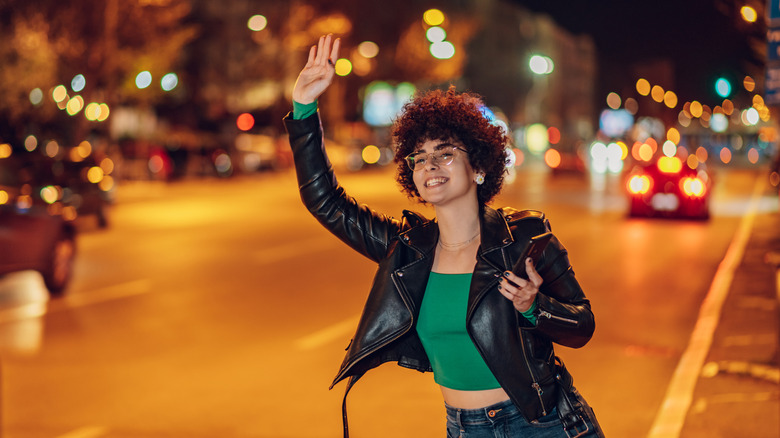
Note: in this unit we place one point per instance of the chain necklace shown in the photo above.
(459, 245)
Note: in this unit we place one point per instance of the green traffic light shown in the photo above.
(723, 87)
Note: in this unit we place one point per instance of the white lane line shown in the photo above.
(294, 249)
(328, 334)
(86, 432)
(679, 395)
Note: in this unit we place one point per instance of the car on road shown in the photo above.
(33, 237)
(37, 230)
(668, 187)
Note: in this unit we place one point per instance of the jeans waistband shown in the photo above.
(487, 415)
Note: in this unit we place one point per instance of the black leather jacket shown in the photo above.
(519, 354)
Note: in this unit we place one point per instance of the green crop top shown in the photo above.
(441, 326)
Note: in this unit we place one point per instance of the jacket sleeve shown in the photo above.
(361, 228)
(563, 312)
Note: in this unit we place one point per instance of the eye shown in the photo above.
(419, 159)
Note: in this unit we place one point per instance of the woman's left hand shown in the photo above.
(520, 291)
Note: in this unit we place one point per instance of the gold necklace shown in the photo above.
(459, 245)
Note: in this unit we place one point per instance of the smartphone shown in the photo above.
(533, 249)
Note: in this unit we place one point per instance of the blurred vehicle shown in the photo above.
(35, 235)
(668, 187)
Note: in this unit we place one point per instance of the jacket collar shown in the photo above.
(424, 233)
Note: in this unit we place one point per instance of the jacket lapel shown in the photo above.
(491, 259)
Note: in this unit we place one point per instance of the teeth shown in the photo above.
(435, 181)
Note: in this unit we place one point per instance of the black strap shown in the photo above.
(569, 407)
(350, 383)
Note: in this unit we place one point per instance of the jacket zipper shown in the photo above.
(535, 385)
(549, 315)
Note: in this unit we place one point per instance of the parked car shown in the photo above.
(34, 239)
(37, 230)
(668, 187)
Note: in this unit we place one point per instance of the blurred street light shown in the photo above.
(748, 14)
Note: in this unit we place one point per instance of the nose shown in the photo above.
(431, 163)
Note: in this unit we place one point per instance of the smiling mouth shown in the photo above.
(435, 181)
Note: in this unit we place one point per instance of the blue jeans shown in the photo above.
(504, 420)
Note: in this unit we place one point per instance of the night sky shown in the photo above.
(703, 39)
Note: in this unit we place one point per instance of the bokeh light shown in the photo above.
(442, 50)
(541, 65)
(657, 93)
(748, 14)
(143, 80)
(36, 96)
(30, 143)
(343, 67)
(169, 82)
(78, 83)
(5, 150)
(371, 154)
(257, 23)
(670, 99)
(60, 93)
(433, 17)
(75, 104)
(613, 100)
(643, 87)
(749, 83)
(436, 34)
(245, 122)
(368, 49)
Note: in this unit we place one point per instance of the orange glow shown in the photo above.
(701, 154)
(657, 93)
(106, 184)
(519, 156)
(554, 135)
(696, 109)
(753, 155)
(552, 158)
(749, 83)
(693, 187)
(693, 161)
(3, 197)
(725, 155)
(245, 122)
(669, 164)
(670, 99)
(645, 152)
(643, 87)
(94, 174)
(748, 14)
(673, 135)
(639, 184)
(728, 107)
(371, 154)
(107, 165)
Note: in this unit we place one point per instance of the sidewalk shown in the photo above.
(738, 391)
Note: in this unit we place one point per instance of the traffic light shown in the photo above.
(723, 87)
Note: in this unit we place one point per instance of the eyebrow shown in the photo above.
(439, 146)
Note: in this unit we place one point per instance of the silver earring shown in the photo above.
(480, 178)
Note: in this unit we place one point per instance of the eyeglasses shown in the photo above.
(444, 156)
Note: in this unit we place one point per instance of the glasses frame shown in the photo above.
(411, 159)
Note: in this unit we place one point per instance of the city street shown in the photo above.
(220, 308)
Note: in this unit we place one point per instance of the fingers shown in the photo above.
(533, 276)
(320, 58)
(312, 53)
(334, 53)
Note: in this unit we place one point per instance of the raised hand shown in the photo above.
(521, 292)
(318, 72)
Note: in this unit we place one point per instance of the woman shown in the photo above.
(443, 298)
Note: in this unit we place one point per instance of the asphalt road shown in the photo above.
(221, 309)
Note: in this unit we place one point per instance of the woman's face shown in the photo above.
(440, 183)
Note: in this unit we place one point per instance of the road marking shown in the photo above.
(328, 334)
(679, 395)
(102, 295)
(86, 432)
(294, 249)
